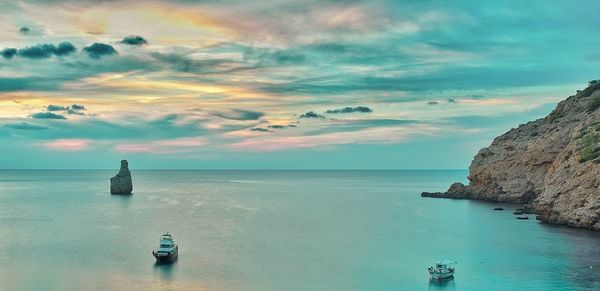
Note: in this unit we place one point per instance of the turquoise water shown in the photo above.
(275, 230)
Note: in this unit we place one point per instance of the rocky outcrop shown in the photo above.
(552, 163)
(456, 191)
(121, 183)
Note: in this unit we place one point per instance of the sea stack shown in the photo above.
(121, 182)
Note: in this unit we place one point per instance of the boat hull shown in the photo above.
(165, 258)
(439, 276)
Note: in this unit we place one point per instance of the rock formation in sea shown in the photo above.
(121, 183)
(552, 164)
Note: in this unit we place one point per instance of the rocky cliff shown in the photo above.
(552, 163)
(121, 183)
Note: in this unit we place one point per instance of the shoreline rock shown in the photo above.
(552, 165)
(121, 183)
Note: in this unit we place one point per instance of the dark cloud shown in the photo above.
(361, 109)
(8, 53)
(311, 114)
(240, 114)
(47, 115)
(98, 50)
(64, 48)
(24, 30)
(56, 108)
(134, 40)
(260, 129)
(41, 51)
(279, 126)
(433, 103)
(25, 126)
(78, 107)
(44, 51)
(73, 109)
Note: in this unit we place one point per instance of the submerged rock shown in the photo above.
(552, 164)
(121, 183)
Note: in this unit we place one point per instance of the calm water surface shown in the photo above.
(275, 230)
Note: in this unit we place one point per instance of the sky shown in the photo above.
(281, 84)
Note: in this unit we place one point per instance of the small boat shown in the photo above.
(442, 270)
(498, 208)
(522, 217)
(167, 251)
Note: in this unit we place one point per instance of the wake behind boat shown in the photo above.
(167, 251)
(443, 269)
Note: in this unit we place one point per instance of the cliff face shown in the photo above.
(552, 163)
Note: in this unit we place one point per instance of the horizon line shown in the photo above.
(227, 169)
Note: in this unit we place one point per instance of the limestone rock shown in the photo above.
(456, 191)
(121, 183)
(553, 163)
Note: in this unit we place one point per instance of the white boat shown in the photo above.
(167, 251)
(442, 270)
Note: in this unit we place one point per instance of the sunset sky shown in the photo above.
(282, 83)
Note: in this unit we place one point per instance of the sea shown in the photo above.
(276, 230)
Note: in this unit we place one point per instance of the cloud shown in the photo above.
(240, 114)
(134, 40)
(183, 63)
(73, 109)
(159, 147)
(25, 126)
(76, 112)
(56, 108)
(376, 135)
(311, 114)
(98, 50)
(361, 109)
(41, 51)
(24, 30)
(260, 129)
(280, 126)
(64, 48)
(44, 51)
(273, 56)
(8, 53)
(67, 145)
(78, 107)
(47, 115)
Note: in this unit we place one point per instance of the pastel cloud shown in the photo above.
(231, 77)
(376, 135)
(162, 146)
(67, 145)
